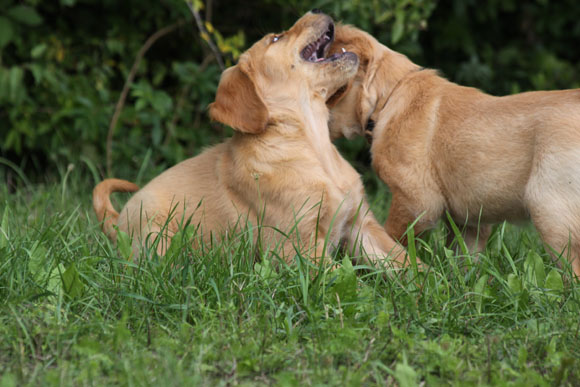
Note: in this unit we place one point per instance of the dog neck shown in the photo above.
(308, 123)
(315, 126)
(296, 122)
(385, 73)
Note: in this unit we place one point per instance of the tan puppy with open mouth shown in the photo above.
(280, 168)
(444, 147)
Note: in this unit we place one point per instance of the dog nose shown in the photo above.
(316, 10)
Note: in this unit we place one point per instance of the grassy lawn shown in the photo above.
(73, 311)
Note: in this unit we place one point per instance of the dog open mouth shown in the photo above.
(316, 51)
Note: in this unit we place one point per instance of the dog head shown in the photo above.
(277, 70)
(380, 69)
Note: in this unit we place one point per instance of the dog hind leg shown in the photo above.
(475, 237)
(561, 239)
(552, 197)
(400, 218)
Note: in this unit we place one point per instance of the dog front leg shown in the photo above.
(371, 240)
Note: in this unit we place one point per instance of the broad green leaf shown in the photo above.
(115, 46)
(156, 131)
(551, 347)
(180, 240)
(4, 232)
(38, 72)
(71, 281)
(140, 104)
(265, 269)
(12, 140)
(406, 376)
(162, 102)
(346, 282)
(449, 254)
(16, 86)
(534, 269)
(514, 283)
(384, 16)
(554, 283)
(398, 26)
(37, 261)
(25, 15)
(209, 27)
(479, 290)
(38, 50)
(54, 282)
(6, 31)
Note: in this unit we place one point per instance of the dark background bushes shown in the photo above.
(63, 64)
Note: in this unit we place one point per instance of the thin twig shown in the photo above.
(121, 102)
(203, 31)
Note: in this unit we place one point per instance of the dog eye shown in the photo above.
(276, 38)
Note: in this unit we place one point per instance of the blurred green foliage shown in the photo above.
(63, 64)
(506, 46)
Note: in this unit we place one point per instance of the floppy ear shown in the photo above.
(367, 103)
(237, 104)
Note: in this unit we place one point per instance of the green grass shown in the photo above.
(73, 311)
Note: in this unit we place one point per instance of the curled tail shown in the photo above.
(103, 207)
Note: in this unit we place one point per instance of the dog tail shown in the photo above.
(103, 207)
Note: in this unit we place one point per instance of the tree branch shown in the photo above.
(121, 102)
(203, 31)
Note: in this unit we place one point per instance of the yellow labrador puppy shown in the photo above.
(443, 147)
(280, 168)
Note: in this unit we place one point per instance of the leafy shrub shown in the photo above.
(508, 46)
(61, 76)
(63, 66)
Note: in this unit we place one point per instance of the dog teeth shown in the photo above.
(314, 52)
(343, 50)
